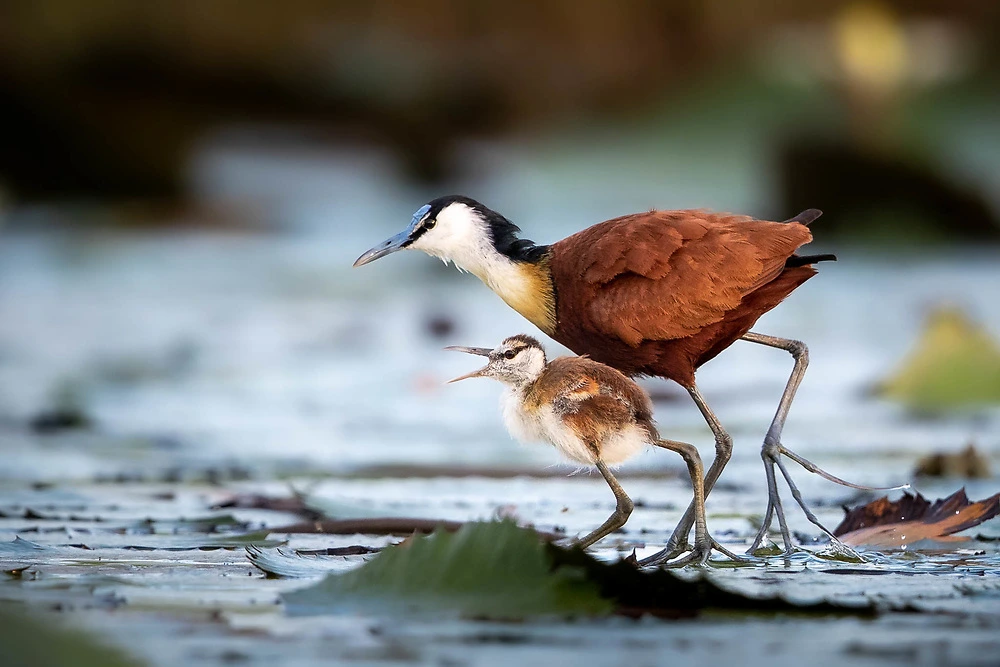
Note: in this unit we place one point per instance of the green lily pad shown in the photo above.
(28, 641)
(484, 570)
(955, 364)
(499, 571)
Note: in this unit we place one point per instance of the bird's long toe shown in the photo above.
(665, 555)
(726, 552)
(699, 554)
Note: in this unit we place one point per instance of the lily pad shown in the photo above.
(484, 570)
(497, 570)
(956, 363)
(281, 563)
(30, 641)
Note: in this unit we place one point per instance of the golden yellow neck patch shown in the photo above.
(528, 289)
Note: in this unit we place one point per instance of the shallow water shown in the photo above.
(213, 363)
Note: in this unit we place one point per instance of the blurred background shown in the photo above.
(184, 186)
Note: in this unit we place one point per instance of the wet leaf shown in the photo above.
(199, 525)
(353, 550)
(294, 504)
(499, 571)
(280, 563)
(401, 526)
(259, 538)
(20, 546)
(484, 570)
(912, 518)
(956, 363)
(31, 642)
(14, 569)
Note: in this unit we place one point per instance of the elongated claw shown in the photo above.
(697, 555)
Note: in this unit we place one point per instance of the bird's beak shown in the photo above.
(387, 247)
(474, 374)
(481, 351)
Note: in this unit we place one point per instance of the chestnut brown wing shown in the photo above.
(665, 275)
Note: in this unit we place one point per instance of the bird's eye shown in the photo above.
(429, 224)
(509, 354)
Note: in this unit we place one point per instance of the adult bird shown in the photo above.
(592, 414)
(651, 294)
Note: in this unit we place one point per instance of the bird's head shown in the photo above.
(460, 230)
(517, 361)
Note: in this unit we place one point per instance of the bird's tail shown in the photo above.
(806, 217)
(805, 260)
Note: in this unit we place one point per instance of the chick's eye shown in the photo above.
(509, 354)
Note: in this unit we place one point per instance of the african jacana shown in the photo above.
(657, 293)
(592, 414)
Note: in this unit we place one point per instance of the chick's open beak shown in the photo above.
(474, 374)
(481, 351)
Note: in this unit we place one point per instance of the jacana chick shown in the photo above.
(591, 413)
(656, 293)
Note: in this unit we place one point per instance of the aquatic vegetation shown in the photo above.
(955, 364)
(497, 570)
(484, 570)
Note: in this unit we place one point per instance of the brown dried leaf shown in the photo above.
(967, 463)
(294, 504)
(885, 523)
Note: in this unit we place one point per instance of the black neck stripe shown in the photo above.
(503, 232)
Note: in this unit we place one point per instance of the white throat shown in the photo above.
(462, 237)
(510, 280)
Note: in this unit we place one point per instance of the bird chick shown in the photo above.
(591, 413)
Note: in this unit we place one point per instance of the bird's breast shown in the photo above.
(542, 424)
(523, 424)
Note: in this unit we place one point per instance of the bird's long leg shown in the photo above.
(773, 448)
(702, 542)
(843, 548)
(797, 495)
(623, 509)
(678, 544)
(772, 441)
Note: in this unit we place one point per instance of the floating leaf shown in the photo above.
(956, 363)
(294, 504)
(885, 523)
(499, 571)
(401, 526)
(259, 538)
(20, 546)
(296, 565)
(30, 642)
(489, 570)
(13, 568)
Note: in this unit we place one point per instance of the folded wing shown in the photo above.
(666, 275)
